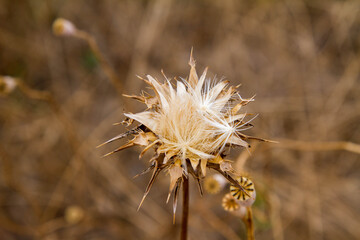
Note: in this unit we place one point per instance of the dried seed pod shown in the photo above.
(7, 84)
(229, 203)
(63, 27)
(247, 195)
(74, 214)
(214, 183)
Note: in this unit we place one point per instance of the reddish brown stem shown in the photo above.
(185, 210)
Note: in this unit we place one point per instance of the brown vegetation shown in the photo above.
(301, 58)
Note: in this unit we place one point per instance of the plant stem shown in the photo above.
(185, 210)
(249, 224)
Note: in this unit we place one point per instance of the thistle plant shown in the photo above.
(191, 124)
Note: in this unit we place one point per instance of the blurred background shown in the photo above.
(301, 58)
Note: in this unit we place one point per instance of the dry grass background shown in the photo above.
(301, 59)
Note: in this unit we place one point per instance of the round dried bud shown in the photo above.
(229, 203)
(247, 195)
(63, 27)
(214, 183)
(7, 85)
(74, 214)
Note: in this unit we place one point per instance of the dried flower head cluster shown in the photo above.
(191, 124)
(238, 199)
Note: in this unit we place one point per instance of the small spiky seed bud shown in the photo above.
(63, 27)
(74, 214)
(7, 84)
(214, 183)
(247, 194)
(229, 203)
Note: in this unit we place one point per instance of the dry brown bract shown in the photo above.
(190, 123)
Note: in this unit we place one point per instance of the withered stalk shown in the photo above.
(248, 220)
(185, 210)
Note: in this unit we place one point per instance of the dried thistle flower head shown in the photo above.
(190, 123)
(7, 84)
(64, 27)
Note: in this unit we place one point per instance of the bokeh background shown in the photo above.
(300, 57)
